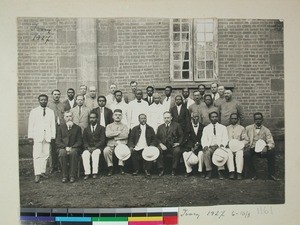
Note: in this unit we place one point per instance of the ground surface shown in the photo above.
(138, 191)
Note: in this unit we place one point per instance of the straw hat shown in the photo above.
(150, 153)
(259, 146)
(236, 145)
(220, 157)
(122, 152)
(191, 158)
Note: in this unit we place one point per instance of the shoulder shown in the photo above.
(249, 127)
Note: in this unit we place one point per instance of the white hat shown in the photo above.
(122, 152)
(220, 157)
(191, 158)
(259, 146)
(150, 153)
(236, 145)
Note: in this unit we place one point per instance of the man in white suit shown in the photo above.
(41, 129)
(80, 113)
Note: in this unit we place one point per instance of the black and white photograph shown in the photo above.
(150, 112)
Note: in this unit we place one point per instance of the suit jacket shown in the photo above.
(183, 118)
(81, 120)
(67, 105)
(147, 100)
(191, 138)
(264, 134)
(96, 139)
(68, 138)
(135, 134)
(174, 135)
(107, 115)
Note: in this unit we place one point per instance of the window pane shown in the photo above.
(210, 55)
(185, 74)
(185, 36)
(186, 65)
(176, 36)
(176, 27)
(185, 27)
(209, 73)
(177, 75)
(176, 20)
(209, 46)
(201, 65)
(209, 37)
(185, 55)
(177, 47)
(209, 27)
(201, 74)
(184, 20)
(209, 65)
(200, 55)
(200, 27)
(177, 56)
(185, 46)
(201, 46)
(177, 65)
(200, 37)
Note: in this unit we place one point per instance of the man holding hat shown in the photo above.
(215, 137)
(141, 136)
(257, 133)
(116, 133)
(237, 140)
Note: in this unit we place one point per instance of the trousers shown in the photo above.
(176, 153)
(137, 158)
(86, 157)
(40, 156)
(108, 156)
(188, 164)
(72, 158)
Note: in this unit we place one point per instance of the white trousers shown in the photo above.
(188, 163)
(239, 160)
(40, 156)
(108, 156)
(86, 156)
(230, 162)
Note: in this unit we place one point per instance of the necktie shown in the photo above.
(167, 98)
(167, 128)
(196, 125)
(139, 101)
(93, 129)
(44, 111)
(79, 111)
(214, 129)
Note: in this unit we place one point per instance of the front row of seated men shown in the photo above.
(198, 141)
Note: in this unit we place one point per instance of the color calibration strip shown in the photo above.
(101, 216)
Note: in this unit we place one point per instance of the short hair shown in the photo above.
(196, 91)
(101, 96)
(138, 91)
(78, 96)
(142, 114)
(214, 83)
(234, 114)
(94, 113)
(258, 113)
(170, 87)
(207, 95)
(201, 85)
(117, 91)
(186, 88)
(68, 111)
(132, 82)
(213, 112)
(83, 85)
(118, 110)
(195, 114)
(179, 96)
(150, 87)
(167, 112)
(71, 89)
(112, 85)
(55, 90)
(156, 95)
(43, 95)
(228, 90)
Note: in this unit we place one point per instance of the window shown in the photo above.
(193, 49)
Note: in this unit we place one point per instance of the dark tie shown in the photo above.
(139, 101)
(196, 125)
(214, 129)
(93, 129)
(167, 128)
(44, 111)
(167, 98)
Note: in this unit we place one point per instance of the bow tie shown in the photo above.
(139, 101)
(196, 125)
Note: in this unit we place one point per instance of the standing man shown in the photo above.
(169, 101)
(83, 90)
(149, 97)
(80, 113)
(104, 113)
(170, 138)
(187, 101)
(69, 144)
(70, 102)
(94, 141)
(41, 130)
(257, 132)
(180, 114)
(201, 89)
(119, 104)
(111, 96)
(116, 133)
(207, 108)
(214, 91)
(57, 106)
(215, 136)
(137, 107)
(91, 100)
(131, 95)
(193, 146)
(237, 132)
(221, 92)
(228, 107)
(156, 111)
(141, 137)
(196, 106)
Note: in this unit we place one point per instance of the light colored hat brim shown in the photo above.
(150, 153)
(122, 152)
(219, 154)
(192, 159)
(236, 145)
(259, 146)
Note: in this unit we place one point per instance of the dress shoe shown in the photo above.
(37, 178)
(86, 177)
(147, 173)
(72, 180)
(173, 173)
(188, 174)
(135, 173)
(161, 173)
(44, 175)
(272, 177)
(239, 176)
(221, 176)
(208, 175)
(201, 174)
(64, 180)
(122, 170)
(95, 176)
(231, 176)
(110, 172)
(254, 177)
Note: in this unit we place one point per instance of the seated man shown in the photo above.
(256, 132)
(141, 137)
(69, 143)
(215, 136)
(116, 133)
(170, 138)
(193, 146)
(94, 141)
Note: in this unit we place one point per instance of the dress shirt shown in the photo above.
(195, 127)
(208, 137)
(142, 143)
(188, 101)
(93, 128)
(71, 102)
(102, 119)
(178, 108)
(156, 118)
(167, 103)
(215, 96)
(135, 109)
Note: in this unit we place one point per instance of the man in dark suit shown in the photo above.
(141, 137)
(104, 113)
(94, 141)
(192, 145)
(149, 97)
(70, 102)
(69, 143)
(170, 138)
(180, 114)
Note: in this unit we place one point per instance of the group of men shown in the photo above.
(197, 130)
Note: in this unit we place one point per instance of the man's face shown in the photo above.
(201, 90)
(112, 88)
(133, 87)
(214, 118)
(233, 119)
(168, 92)
(142, 119)
(221, 90)
(82, 90)
(185, 93)
(118, 96)
(228, 94)
(70, 94)
(139, 95)
(258, 119)
(197, 96)
(117, 116)
(150, 92)
(93, 92)
(101, 102)
(208, 100)
(195, 118)
(43, 101)
(167, 118)
(93, 119)
(214, 88)
(79, 100)
(68, 116)
(56, 96)
(156, 100)
(178, 100)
